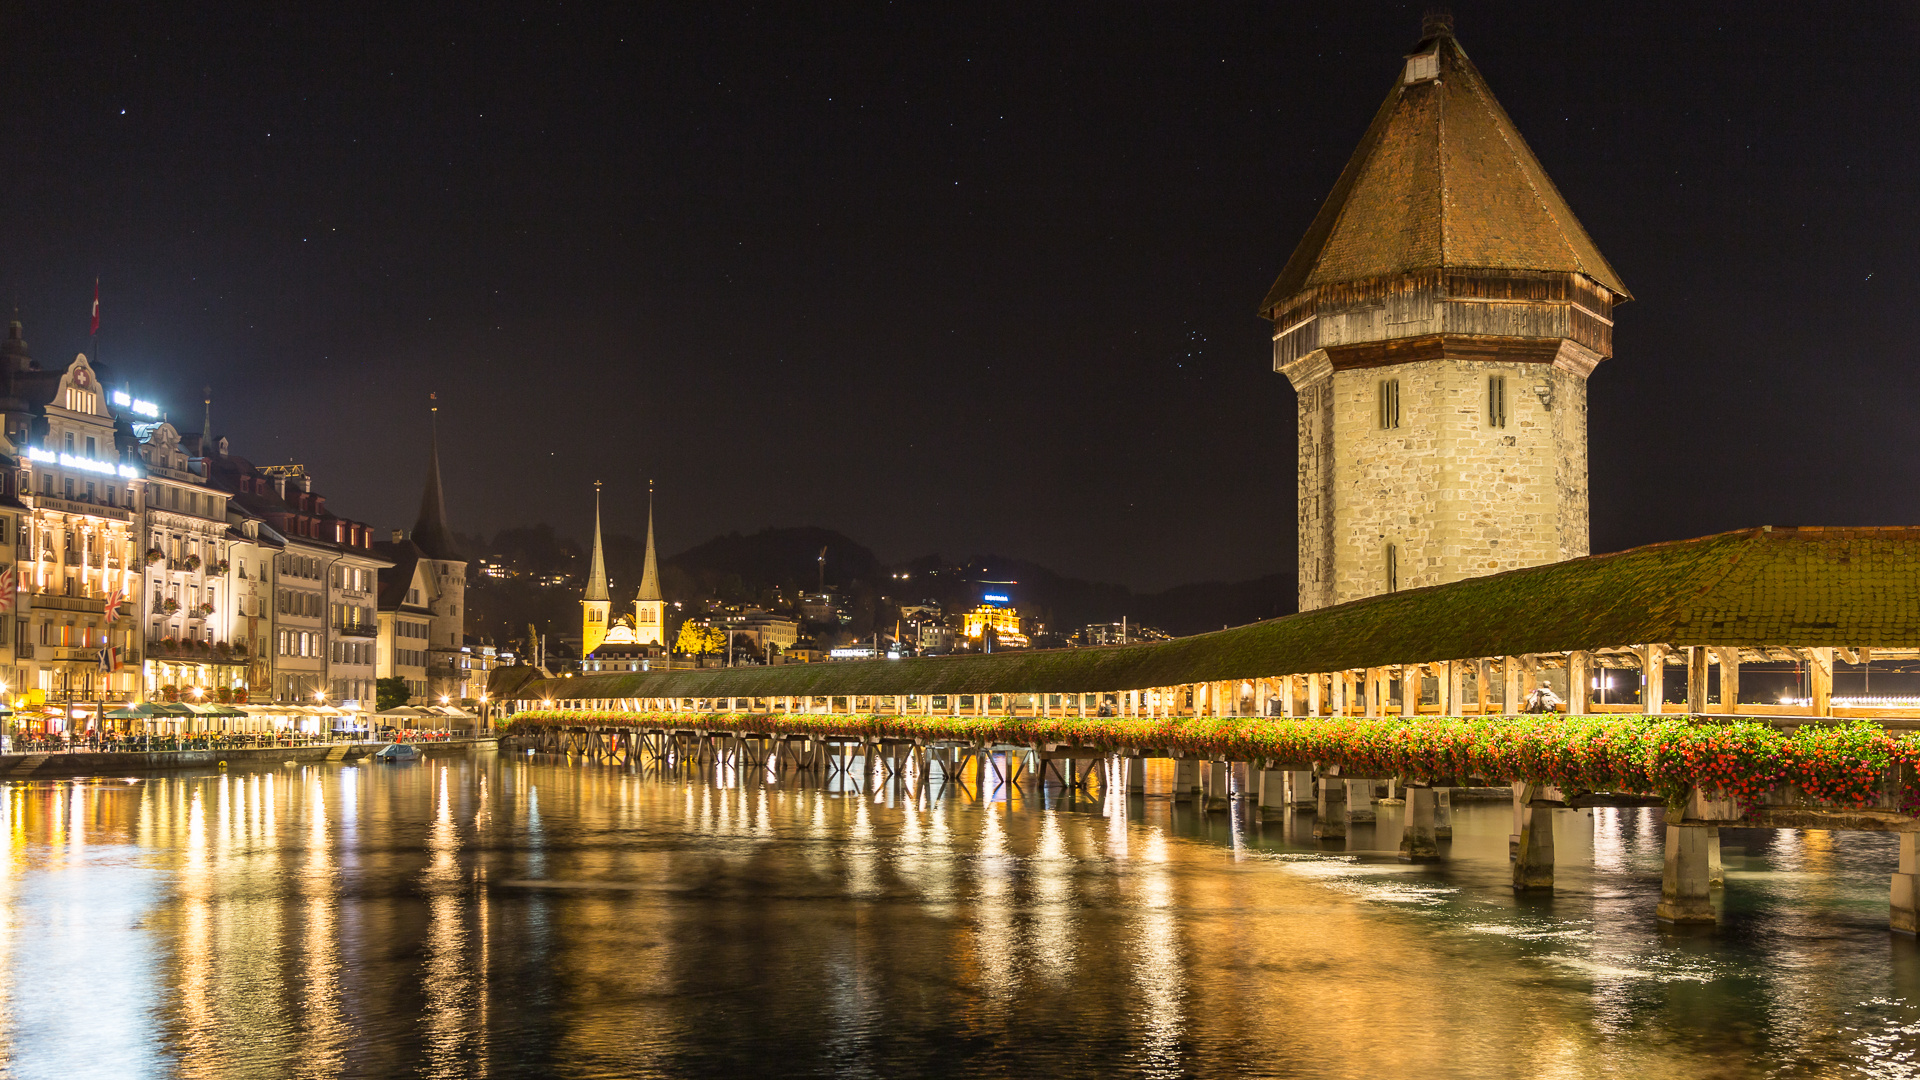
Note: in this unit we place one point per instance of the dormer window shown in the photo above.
(1423, 68)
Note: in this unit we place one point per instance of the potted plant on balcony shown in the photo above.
(239, 695)
(224, 695)
(154, 555)
(169, 606)
(192, 562)
(170, 692)
(204, 608)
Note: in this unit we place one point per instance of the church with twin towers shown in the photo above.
(1438, 323)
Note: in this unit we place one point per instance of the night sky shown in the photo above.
(960, 280)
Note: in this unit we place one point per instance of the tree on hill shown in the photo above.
(699, 639)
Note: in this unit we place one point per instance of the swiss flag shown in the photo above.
(96, 308)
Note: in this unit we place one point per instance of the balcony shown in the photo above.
(358, 630)
(200, 652)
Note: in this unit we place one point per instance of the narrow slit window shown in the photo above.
(1389, 404)
(1393, 568)
(1497, 401)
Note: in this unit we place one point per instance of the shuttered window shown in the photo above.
(1389, 394)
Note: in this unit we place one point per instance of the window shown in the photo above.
(69, 442)
(1389, 404)
(69, 487)
(1497, 401)
(1393, 568)
(46, 483)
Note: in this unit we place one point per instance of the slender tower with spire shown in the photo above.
(596, 605)
(446, 567)
(1438, 322)
(649, 607)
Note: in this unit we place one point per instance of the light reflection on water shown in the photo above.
(489, 916)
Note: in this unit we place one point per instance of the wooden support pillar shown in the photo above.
(1698, 661)
(1371, 694)
(1513, 684)
(1482, 673)
(1261, 694)
(1579, 682)
(1313, 694)
(1337, 686)
(1448, 687)
(1729, 661)
(1653, 676)
(1820, 680)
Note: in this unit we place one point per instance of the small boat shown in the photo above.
(393, 753)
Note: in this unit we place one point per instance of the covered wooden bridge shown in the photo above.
(1687, 615)
(1691, 611)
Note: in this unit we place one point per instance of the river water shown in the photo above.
(493, 916)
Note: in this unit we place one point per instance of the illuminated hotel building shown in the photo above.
(1004, 620)
(186, 607)
(78, 484)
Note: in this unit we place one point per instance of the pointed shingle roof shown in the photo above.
(650, 570)
(430, 532)
(597, 570)
(1441, 180)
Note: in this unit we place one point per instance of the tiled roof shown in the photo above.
(1759, 587)
(1441, 179)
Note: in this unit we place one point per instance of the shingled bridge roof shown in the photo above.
(1764, 587)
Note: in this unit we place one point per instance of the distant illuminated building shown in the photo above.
(1005, 620)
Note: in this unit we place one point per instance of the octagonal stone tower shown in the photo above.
(1438, 322)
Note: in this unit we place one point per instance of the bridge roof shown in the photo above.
(1756, 588)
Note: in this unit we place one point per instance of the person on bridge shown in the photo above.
(1543, 700)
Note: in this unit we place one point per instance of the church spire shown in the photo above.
(597, 572)
(430, 532)
(650, 574)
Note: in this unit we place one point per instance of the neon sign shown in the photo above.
(998, 598)
(128, 401)
(69, 461)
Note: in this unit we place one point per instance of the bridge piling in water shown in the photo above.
(1904, 905)
(1685, 896)
(1330, 814)
(1359, 801)
(1417, 842)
